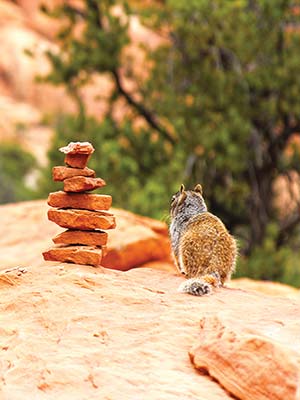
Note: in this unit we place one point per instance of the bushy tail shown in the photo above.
(201, 285)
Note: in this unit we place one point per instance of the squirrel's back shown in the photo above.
(203, 249)
(206, 246)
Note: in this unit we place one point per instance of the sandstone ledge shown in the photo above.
(95, 333)
(28, 233)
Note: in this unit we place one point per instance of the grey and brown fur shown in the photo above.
(203, 249)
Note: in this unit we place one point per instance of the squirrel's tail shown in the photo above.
(201, 285)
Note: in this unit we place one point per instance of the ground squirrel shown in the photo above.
(203, 249)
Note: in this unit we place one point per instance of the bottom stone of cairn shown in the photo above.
(76, 254)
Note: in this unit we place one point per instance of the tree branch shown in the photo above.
(143, 111)
(287, 228)
(290, 223)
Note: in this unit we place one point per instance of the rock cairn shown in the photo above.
(84, 214)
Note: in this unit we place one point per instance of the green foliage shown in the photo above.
(15, 164)
(266, 262)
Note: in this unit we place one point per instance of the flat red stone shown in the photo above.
(82, 219)
(82, 184)
(61, 173)
(89, 238)
(79, 200)
(85, 255)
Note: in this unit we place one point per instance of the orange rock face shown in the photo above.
(249, 362)
(89, 238)
(82, 219)
(77, 160)
(135, 241)
(79, 200)
(75, 254)
(82, 183)
(77, 154)
(61, 173)
(93, 333)
(28, 232)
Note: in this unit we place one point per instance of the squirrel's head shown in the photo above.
(189, 202)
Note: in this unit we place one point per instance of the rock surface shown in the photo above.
(85, 255)
(79, 200)
(82, 184)
(86, 333)
(135, 241)
(270, 288)
(89, 238)
(82, 219)
(252, 359)
(61, 173)
(76, 332)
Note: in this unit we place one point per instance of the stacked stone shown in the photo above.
(84, 214)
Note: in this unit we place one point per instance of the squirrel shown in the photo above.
(203, 249)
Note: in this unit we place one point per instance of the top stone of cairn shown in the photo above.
(77, 154)
(78, 148)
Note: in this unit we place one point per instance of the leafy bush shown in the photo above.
(268, 263)
(15, 164)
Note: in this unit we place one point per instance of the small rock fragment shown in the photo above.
(78, 148)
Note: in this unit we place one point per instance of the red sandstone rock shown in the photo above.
(161, 265)
(77, 160)
(28, 232)
(77, 153)
(75, 254)
(93, 333)
(266, 287)
(82, 219)
(61, 173)
(78, 148)
(82, 184)
(79, 200)
(90, 238)
(250, 362)
(135, 242)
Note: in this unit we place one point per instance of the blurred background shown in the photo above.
(168, 92)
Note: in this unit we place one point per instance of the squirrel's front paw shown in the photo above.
(195, 287)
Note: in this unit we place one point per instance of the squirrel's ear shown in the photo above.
(182, 198)
(182, 188)
(198, 188)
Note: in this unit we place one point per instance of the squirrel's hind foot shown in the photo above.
(196, 287)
